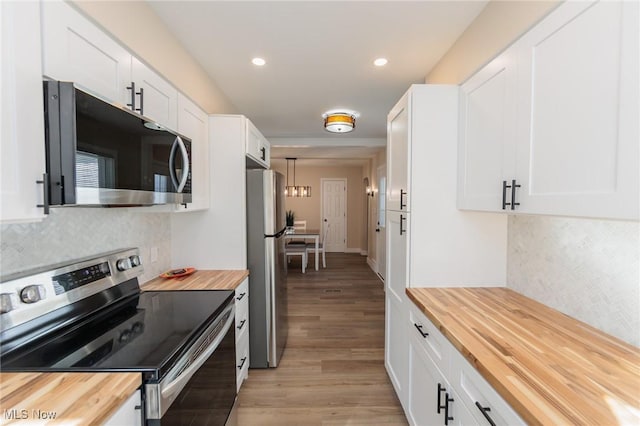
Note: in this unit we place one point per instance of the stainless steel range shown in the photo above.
(90, 316)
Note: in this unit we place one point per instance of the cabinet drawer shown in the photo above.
(473, 389)
(242, 359)
(431, 339)
(242, 309)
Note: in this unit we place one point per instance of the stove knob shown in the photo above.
(33, 293)
(135, 261)
(137, 328)
(123, 264)
(8, 302)
(124, 336)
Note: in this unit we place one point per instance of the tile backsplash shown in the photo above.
(587, 269)
(72, 233)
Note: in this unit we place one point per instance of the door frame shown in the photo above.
(346, 202)
(381, 246)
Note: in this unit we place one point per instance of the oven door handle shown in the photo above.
(179, 186)
(177, 384)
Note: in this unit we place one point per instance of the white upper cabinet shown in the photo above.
(22, 158)
(257, 146)
(398, 165)
(74, 49)
(194, 124)
(578, 139)
(557, 114)
(486, 134)
(154, 96)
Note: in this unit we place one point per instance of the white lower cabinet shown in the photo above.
(444, 389)
(395, 347)
(242, 333)
(129, 413)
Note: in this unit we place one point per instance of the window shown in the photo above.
(94, 171)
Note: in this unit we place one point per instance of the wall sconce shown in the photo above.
(370, 192)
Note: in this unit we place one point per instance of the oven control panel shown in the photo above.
(34, 293)
(80, 277)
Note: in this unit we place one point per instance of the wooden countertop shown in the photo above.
(64, 398)
(552, 369)
(224, 279)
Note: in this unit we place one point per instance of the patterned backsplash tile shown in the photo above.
(72, 233)
(587, 269)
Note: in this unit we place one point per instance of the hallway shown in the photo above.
(332, 371)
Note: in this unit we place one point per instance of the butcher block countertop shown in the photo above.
(552, 369)
(225, 279)
(64, 398)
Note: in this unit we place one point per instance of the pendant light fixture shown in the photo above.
(293, 190)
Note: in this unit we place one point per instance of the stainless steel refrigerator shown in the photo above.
(268, 326)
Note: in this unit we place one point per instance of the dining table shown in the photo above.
(307, 234)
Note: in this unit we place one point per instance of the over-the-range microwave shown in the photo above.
(102, 154)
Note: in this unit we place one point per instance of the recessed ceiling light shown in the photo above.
(258, 61)
(380, 62)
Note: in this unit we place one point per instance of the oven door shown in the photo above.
(201, 388)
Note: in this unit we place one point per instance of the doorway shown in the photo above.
(381, 234)
(333, 210)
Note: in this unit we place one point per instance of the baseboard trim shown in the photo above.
(372, 264)
(352, 250)
(363, 253)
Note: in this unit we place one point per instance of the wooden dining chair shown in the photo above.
(298, 250)
(311, 247)
(298, 226)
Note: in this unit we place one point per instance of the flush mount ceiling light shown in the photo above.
(339, 121)
(380, 62)
(295, 191)
(258, 62)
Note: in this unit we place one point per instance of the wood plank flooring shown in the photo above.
(332, 371)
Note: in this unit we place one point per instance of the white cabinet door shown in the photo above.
(74, 49)
(425, 388)
(578, 150)
(129, 413)
(397, 243)
(194, 124)
(22, 156)
(396, 357)
(158, 98)
(398, 152)
(486, 148)
(257, 146)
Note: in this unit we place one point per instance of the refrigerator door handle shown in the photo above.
(277, 234)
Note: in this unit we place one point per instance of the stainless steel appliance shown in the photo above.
(91, 316)
(268, 327)
(99, 153)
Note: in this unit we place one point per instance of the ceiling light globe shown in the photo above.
(258, 62)
(380, 62)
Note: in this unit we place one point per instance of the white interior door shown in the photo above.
(334, 214)
(381, 233)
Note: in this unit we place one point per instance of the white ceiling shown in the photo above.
(319, 56)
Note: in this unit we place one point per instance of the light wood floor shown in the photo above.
(332, 371)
